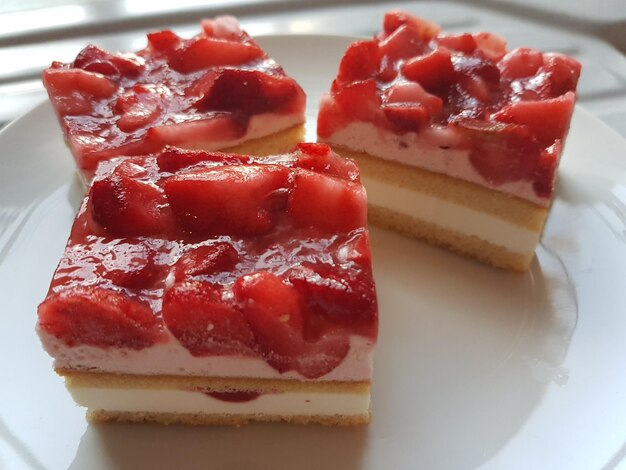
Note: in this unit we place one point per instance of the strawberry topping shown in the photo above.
(265, 257)
(411, 79)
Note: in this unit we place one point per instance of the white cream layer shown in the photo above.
(451, 216)
(424, 150)
(171, 358)
(180, 401)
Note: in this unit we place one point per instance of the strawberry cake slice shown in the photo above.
(457, 138)
(216, 91)
(201, 287)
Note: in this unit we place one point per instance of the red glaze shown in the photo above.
(233, 255)
(410, 78)
(172, 92)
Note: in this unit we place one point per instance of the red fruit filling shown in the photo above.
(409, 78)
(265, 257)
(173, 91)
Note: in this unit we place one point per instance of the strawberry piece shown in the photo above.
(359, 100)
(173, 159)
(164, 42)
(204, 324)
(520, 63)
(98, 317)
(394, 19)
(356, 249)
(138, 108)
(330, 117)
(328, 203)
(549, 119)
(214, 129)
(563, 72)
(73, 89)
(342, 295)
(387, 70)
(406, 117)
(204, 52)
(206, 260)
(240, 200)
(477, 67)
(124, 206)
(413, 94)
(273, 310)
(323, 356)
(465, 43)
(360, 61)
(321, 159)
(491, 45)
(94, 59)
(251, 92)
(432, 71)
(222, 27)
(130, 264)
(501, 152)
(546, 170)
(405, 41)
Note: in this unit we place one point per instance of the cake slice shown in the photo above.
(201, 287)
(458, 139)
(216, 91)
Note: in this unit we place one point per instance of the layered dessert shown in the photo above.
(458, 139)
(201, 287)
(216, 91)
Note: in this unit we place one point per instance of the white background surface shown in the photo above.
(475, 367)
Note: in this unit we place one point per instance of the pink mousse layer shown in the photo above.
(170, 358)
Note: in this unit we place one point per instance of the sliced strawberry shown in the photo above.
(406, 117)
(501, 152)
(394, 19)
(223, 27)
(206, 260)
(323, 356)
(173, 159)
(199, 318)
(433, 71)
(98, 317)
(563, 71)
(165, 42)
(549, 119)
(320, 158)
(546, 170)
(72, 90)
(387, 70)
(491, 45)
(204, 52)
(360, 61)
(213, 129)
(138, 107)
(250, 92)
(413, 94)
(94, 59)
(131, 264)
(273, 310)
(356, 249)
(327, 203)
(477, 67)
(124, 206)
(330, 117)
(359, 100)
(406, 41)
(520, 63)
(465, 42)
(240, 200)
(345, 296)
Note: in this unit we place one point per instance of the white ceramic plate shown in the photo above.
(475, 366)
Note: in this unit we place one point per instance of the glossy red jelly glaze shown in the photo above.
(175, 91)
(233, 397)
(270, 276)
(511, 110)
